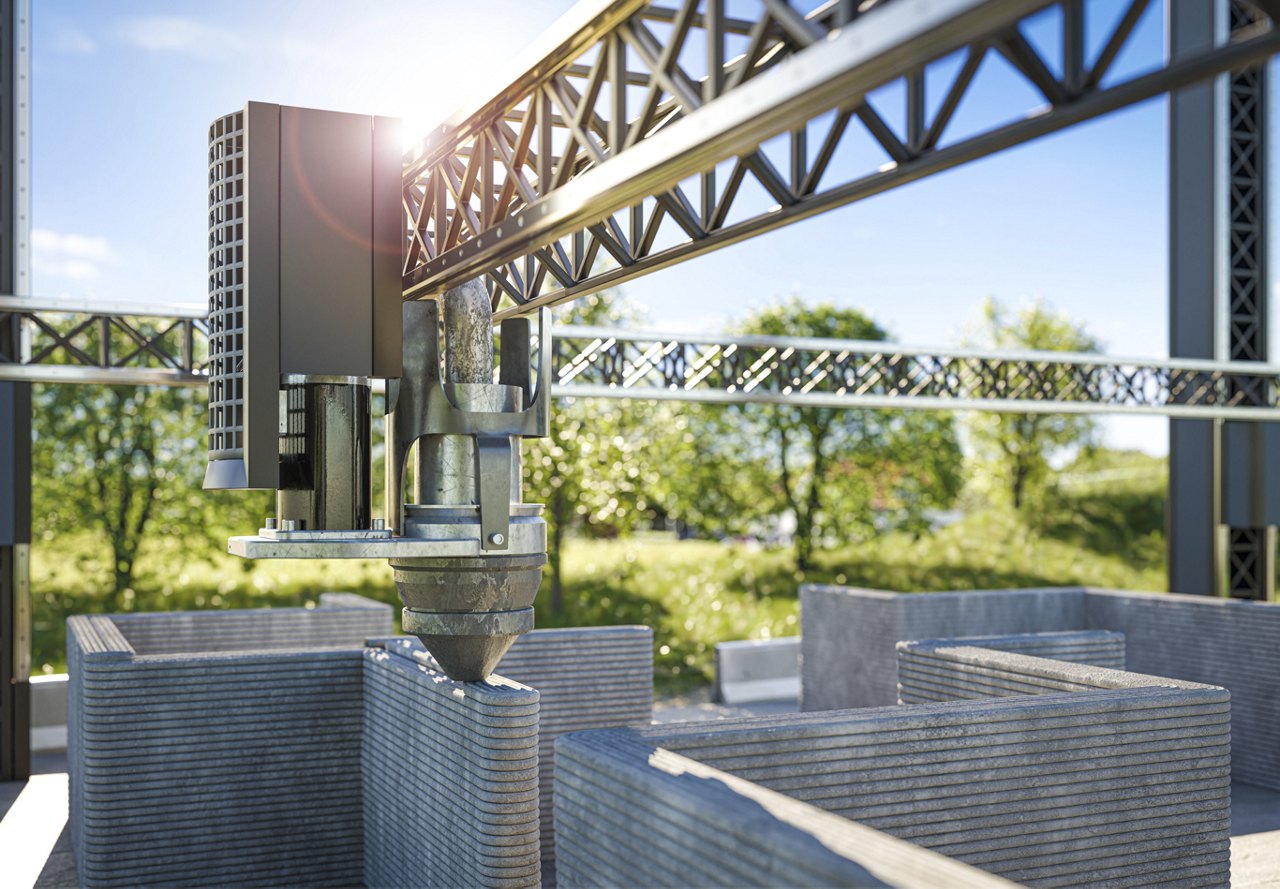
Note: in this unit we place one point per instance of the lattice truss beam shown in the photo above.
(149, 346)
(648, 134)
(602, 362)
(125, 344)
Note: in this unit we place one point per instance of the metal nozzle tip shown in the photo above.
(468, 658)
(467, 644)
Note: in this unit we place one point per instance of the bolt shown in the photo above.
(288, 525)
(379, 524)
(271, 524)
(497, 539)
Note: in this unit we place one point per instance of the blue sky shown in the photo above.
(124, 92)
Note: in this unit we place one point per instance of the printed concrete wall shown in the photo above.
(630, 811)
(342, 620)
(924, 675)
(301, 756)
(1126, 782)
(588, 678)
(849, 634)
(1223, 642)
(1163, 792)
(450, 793)
(235, 762)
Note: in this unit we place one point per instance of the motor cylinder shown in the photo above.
(324, 453)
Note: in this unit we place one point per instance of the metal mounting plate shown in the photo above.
(456, 541)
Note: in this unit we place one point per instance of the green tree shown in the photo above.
(841, 473)
(1016, 449)
(594, 473)
(127, 461)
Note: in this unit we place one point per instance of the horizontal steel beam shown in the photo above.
(118, 342)
(603, 362)
(101, 376)
(594, 362)
(580, 332)
(563, 184)
(917, 402)
(78, 306)
(868, 53)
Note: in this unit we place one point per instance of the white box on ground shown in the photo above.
(49, 713)
(754, 670)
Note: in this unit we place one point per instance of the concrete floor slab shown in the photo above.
(1255, 836)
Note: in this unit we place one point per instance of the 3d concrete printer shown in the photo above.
(305, 311)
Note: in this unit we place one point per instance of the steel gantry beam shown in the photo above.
(152, 345)
(623, 145)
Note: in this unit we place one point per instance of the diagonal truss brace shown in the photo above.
(112, 343)
(626, 147)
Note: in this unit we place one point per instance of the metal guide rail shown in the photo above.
(625, 139)
(158, 345)
(126, 343)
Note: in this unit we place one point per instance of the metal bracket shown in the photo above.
(418, 404)
(493, 469)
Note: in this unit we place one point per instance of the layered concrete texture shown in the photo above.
(922, 679)
(1124, 782)
(1175, 776)
(635, 809)
(588, 678)
(1227, 642)
(231, 758)
(341, 620)
(849, 636)
(450, 793)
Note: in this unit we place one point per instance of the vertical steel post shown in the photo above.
(1193, 511)
(15, 400)
(1250, 501)
(1224, 494)
(15, 593)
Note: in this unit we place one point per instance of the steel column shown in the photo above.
(15, 591)
(15, 403)
(1250, 499)
(1193, 511)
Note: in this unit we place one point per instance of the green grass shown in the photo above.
(697, 593)
(693, 593)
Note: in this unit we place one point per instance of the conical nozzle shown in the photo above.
(468, 611)
(468, 658)
(468, 644)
